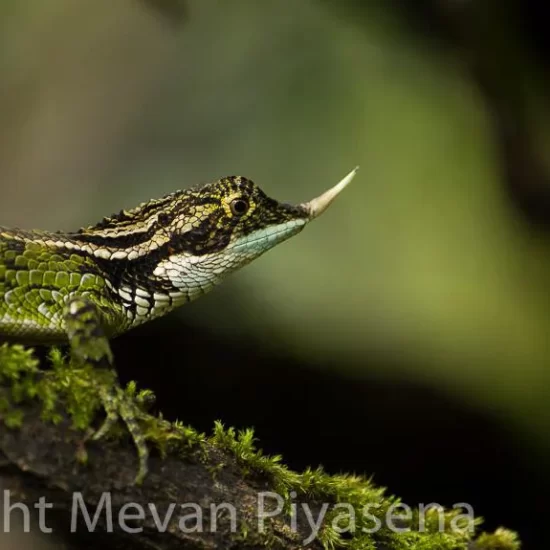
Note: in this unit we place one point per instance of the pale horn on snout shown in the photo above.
(317, 206)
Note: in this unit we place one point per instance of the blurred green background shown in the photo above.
(427, 269)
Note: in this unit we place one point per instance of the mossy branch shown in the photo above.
(46, 414)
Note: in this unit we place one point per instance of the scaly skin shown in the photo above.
(37, 280)
(88, 286)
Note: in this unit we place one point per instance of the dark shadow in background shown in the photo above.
(422, 445)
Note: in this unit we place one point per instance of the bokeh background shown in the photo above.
(406, 334)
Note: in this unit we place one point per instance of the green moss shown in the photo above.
(351, 500)
(18, 371)
(419, 531)
(501, 539)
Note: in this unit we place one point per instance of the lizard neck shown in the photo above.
(125, 285)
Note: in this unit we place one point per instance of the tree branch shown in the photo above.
(41, 456)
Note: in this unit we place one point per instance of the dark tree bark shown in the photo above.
(39, 460)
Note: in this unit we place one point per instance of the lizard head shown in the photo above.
(179, 246)
(222, 226)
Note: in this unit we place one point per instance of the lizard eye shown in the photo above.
(239, 207)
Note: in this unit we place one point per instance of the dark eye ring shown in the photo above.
(239, 207)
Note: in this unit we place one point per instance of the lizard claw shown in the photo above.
(118, 405)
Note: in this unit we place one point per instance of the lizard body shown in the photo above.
(87, 286)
